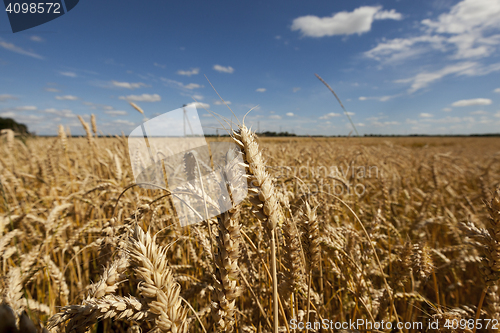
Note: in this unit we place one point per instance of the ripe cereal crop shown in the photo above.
(400, 230)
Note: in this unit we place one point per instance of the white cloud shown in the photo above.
(199, 105)
(422, 80)
(223, 69)
(342, 23)
(388, 15)
(479, 112)
(474, 101)
(426, 115)
(350, 113)
(5, 97)
(192, 71)
(142, 98)
(26, 108)
(124, 122)
(290, 114)
(8, 114)
(295, 89)
(330, 115)
(21, 108)
(69, 74)
(52, 90)
(391, 123)
(33, 117)
(20, 50)
(447, 109)
(95, 106)
(386, 98)
(399, 49)
(277, 37)
(66, 113)
(159, 65)
(449, 120)
(497, 90)
(67, 98)
(37, 39)
(260, 89)
(467, 45)
(467, 30)
(116, 112)
(180, 85)
(222, 103)
(374, 121)
(275, 116)
(192, 86)
(497, 114)
(378, 98)
(128, 85)
(467, 15)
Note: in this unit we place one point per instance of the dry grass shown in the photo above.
(74, 258)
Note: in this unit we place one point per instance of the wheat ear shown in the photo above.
(422, 261)
(292, 259)
(110, 279)
(63, 138)
(12, 294)
(311, 246)
(87, 130)
(94, 124)
(227, 271)
(81, 317)
(156, 282)
(493, 298)
(226, 259)
(264, 199)
(488, 241)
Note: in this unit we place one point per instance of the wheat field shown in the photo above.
(332, 231)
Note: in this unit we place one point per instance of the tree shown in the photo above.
(9, 123)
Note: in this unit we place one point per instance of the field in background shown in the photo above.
(64, 237)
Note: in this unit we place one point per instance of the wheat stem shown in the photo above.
(479, 306)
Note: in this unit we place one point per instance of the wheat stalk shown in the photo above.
(264, 199)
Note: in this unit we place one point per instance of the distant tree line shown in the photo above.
(9, 123)
(282, 134)
(429, 135)
(267, 133)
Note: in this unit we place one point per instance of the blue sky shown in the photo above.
(399, 67)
